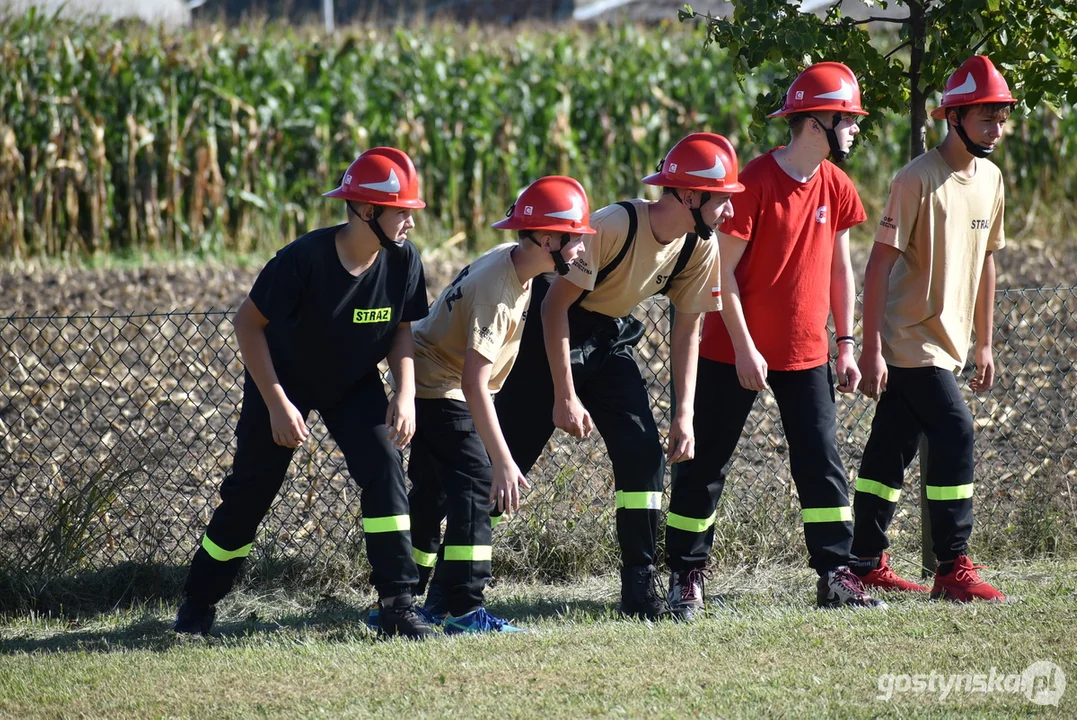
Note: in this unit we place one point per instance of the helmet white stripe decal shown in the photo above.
(845, 92)
(966, 87)
(573, 213)
(391, 185)
(715, 173)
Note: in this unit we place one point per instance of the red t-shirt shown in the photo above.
(784, 274)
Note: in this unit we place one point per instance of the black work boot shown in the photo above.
(639, 596)
(402, 619)
(194, 618)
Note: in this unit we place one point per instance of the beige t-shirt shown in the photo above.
(483, 309)
(645, 270)
(944, 225)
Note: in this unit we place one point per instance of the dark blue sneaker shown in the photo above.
(432, 617)
(478, 621)
(373, 619)
(433, 608)
(194, 619)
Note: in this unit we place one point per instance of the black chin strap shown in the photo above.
(703, 230)
(836, 153)
(975, 150)
(376, 227)
(559, 263)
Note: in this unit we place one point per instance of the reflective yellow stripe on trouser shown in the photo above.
(391, 523)
(694, 525)
(873, 487)
(949, 492)
(639, 500)
(220, 554)
(830, 514)
(424, 559)
(468, 553)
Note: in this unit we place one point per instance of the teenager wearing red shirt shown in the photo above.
(784, 267)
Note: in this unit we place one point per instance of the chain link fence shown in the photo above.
(116, 431)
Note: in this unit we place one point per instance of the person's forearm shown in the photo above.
(983, 319)
(555, 333)
(685, 350)
(401, 360)
(876, 282)
(484, 416)
(733, 315)
(842, 297)
(254, 351)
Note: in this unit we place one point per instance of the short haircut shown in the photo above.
(796, 122)
(992, 111)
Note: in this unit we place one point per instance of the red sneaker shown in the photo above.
(884, 578)
(964, 584)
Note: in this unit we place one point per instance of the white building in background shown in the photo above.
(169, 12)
(652, 11)
(178, 12)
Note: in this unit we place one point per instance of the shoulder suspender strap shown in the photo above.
(682, 259)
(633, 224)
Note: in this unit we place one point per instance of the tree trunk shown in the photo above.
(918, 98)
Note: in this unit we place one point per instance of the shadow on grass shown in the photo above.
(522, 609)
(599, 609)
(331, 620)
(87, 594)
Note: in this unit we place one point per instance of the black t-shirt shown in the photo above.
(327, 328)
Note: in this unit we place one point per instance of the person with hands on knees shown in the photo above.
(785, 268)
(930, 281)
(577, 368)
(321, 315)
(460, 465)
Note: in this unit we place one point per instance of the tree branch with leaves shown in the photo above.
(1033, 42)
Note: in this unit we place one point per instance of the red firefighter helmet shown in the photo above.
(381, 176)
(554, 203)
(823, 86)
(976, 82)
(701, 161)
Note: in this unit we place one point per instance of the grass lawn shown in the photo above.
(763, 650)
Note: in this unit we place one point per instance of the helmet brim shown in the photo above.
(817, 108)
(939, 113)
(342, 194)
(661, 181)
(510, 224)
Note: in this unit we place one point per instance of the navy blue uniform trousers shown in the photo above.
(924, 401)
(356, 422)
(806, 403)
(609, 384)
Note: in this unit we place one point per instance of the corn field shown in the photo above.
(116, 140)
